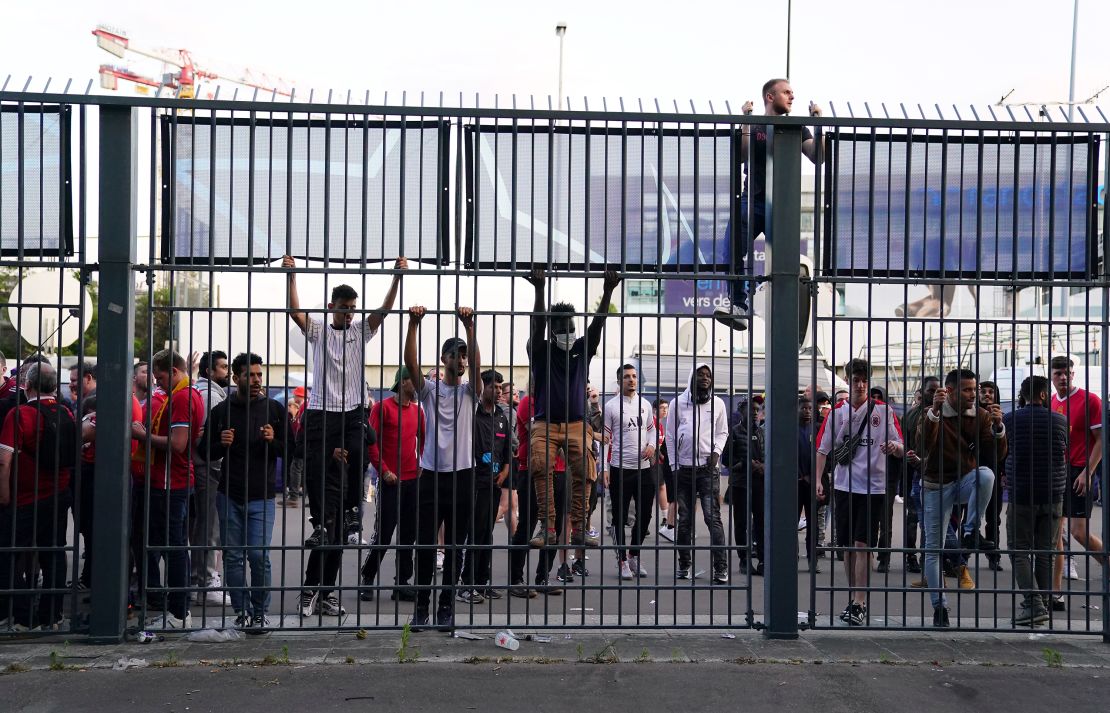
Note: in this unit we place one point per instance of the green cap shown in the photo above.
(402, 374)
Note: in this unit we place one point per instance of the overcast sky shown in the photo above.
(943, 51)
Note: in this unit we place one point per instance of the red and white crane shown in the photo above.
(185, 81)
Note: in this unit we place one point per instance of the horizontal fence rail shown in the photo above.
(334, 366)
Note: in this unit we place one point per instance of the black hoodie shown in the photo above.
(250, 463)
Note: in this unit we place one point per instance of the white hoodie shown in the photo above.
(695, 431)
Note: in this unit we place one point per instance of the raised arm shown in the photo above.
(539, 321)
(299, 318)
(466, 316)
(375, 318)
(814, 149)
(593, 332)
(412, 358)
(746, 132)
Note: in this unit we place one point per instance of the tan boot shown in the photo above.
(966, 582)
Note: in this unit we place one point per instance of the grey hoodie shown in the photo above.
(212, 394)
(695, 431)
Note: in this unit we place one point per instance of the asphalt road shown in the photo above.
(660, 688)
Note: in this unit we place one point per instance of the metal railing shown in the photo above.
(866, 247)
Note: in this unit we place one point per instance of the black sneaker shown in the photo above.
(564, 574)
(319, 534)
(995, 563)
(491, 593)
(720, 576)
(857, 615)
(882, 567)
(366, 593)
(403, 594)
(419, 619)
(1058, 603)
(682, 572)
(520, 591)
(940, 616)
(755, 570)
(579, 568)
(846, 613)
(445, 618)
(543, 587)
(972, 541)
(913, 566)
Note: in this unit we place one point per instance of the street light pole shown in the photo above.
(561, 31)
(789, 3)
(1074, 38)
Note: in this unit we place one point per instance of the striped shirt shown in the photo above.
(338, 379)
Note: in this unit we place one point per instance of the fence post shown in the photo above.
(783, 236)
(118, 208)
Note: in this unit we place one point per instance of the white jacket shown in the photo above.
(695, 431)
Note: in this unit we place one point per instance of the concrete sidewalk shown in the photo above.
(1031, 650)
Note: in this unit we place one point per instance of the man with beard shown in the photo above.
(696, 436)
(248, 432)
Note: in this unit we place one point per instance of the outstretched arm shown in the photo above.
(412, 359)
(375, 318)
(593, 332)
(299, 318)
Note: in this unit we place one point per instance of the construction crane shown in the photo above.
(185, 81)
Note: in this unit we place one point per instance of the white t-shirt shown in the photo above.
(338, 356)
(630, 425)
(449, 414)
(866, 473)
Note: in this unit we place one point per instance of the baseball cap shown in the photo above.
(402, 374)
(454, 344)
(299, 392)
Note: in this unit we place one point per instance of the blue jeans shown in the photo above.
(973, 489)
(245, 531)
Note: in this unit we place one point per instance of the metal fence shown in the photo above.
(858, 246)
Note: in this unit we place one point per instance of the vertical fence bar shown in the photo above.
(783, 240)
(115, 348)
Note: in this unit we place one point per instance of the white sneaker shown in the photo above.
(329, 606)
(802, 524)
(215, 581)
(899, 499)
(439, 559)
(308, 603)
(354, 539)
(734, 317)
(636, 567)
(625, 571)
(667, 532)
(165, 620)
(1073, 573)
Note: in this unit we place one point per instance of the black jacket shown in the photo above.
(250, 463)
(744, 447)
(1037, 462)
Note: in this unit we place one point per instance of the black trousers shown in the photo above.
(84, 491)
(397, 510)
(626, 485)
(527, 519)
(478, 566)
(41, 524)
(326, 559)
(445, 499)
(700, 485)
(324, 431)
(747, 507)
(806, 504)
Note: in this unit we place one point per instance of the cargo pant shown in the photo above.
(575, 439)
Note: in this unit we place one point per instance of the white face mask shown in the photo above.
(564, 341)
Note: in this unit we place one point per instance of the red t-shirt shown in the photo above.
(186, 410)
(28, 484)
(524, 414)
(1084, 413)
(400, 435)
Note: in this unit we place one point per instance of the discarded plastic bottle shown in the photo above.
(506, 640)
(145, 637)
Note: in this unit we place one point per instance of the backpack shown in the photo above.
(57, 448)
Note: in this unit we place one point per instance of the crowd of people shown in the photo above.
(455, 450)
